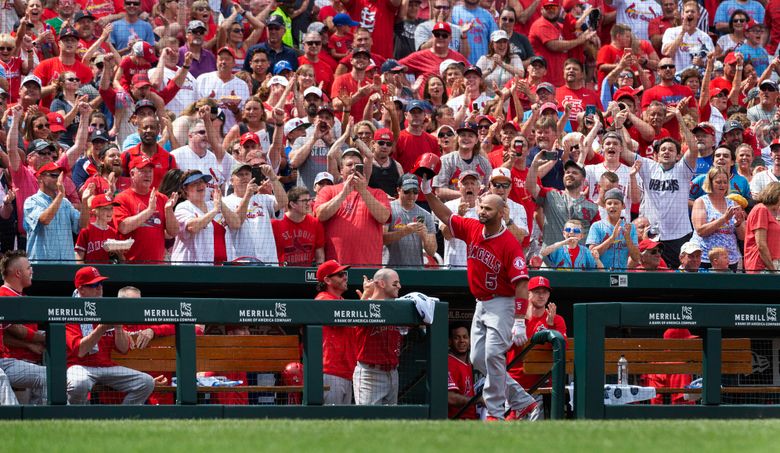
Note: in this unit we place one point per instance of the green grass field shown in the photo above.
(296, 436)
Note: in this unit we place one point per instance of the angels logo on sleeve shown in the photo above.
(519, 263)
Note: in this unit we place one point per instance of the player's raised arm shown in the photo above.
(439, 209)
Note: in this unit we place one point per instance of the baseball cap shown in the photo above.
(770, 83)
(323, 176)
(293, 124)
(140, 161)
(467, 173)
(238, 166)
(498, 35)
(548, 105)
(546, 86)
(716, 91)
(99, 135)
(614, 194)
(624, 92)
(501, 172)
(281, 66)
(383, 134)
(537, 59)
(572, 164)
(731, 125)
(82, 15)
(278, 80)
(275, 21)
(550, 3)
(391, 65)
(144, 103)
(325, 108)
(475, 69)
(648, 244)
(416, 104)
(731, 58)
(538, 282)
(56, 122)
(194, 25)
(489, 118)
(678, 334)
(467, 127)
(98, 201)
(68, 32)
(329, 268)
(612, 134)
(569, 5)
(316, 27)
(344, 19)
(444, 65)
(442, 26)
(145, 50)
(31, 78)
(775, 142)
(51, 166)
(39, 144)
(705, 127)
(141, 80)
(360, 51)
(752, 23)
(249, 137)
(409, 182)
(349, 151)
(690, 247)
(313, 90)
(233, 54)
(88, 276)
(195, 177)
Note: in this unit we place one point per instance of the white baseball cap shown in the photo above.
(323, 176)
(312, 90)
(278, 80)
(690, 247)
(501, 172)
(447, 63)
(293, 124)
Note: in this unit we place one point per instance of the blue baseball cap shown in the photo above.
(344, 19)
(196, 177)
(417, 104)
(281, 66)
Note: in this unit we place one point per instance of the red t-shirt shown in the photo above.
(378, 345)
(149, 245)
(131, 68)
(348, 83)
(84, 45)
(341, 44)
(542, 31)
(760, 217)
(90, 241)
(494, 264)
(378, 16)
(162, 159)
(101, 359)
(525, 29)
(772, 23)
(102, 185)
(608, 54)
(296, 242)
(323, 71)
(460, 379)
(579, 99)
(409, 147)
(532, 326)
(13, 73)
(669, 95)
(101, 8)
(425, 62)
(51, 68)
(339, 350)
(352, 220)
(518, 194)
(645, 148)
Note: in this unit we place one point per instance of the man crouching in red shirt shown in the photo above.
(89, 352)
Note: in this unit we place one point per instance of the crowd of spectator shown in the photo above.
(621, 135)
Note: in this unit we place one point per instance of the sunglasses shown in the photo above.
(98, 284)
(198, 31)
(200, 132)
(626, 75)
(666, 66)
(6, 48)
(769, 89)
(501, 185)
(507, 19)
(341, 274)
(72, 79)
(442, 8)
(483, 126)
(313, 43)
(52, 175)
(97, 126)
(572, 230)
(384, 143)
(132, 3)
(414, 191)
(42, 126)
(236, 30)
(739, 21)
(441, 35)
(577, 147)
(446, 134)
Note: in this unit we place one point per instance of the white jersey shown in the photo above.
(691, 45)
(516, 213)
(637, 14)
(198, 248)
(186, 94)
(209, 85)
(186, 159)
(255, 238)
(760, 181)
(455, 249)
(665, 201)
(593, 176)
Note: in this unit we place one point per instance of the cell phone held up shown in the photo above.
(549, 155)
(359, 168)
(258, 175)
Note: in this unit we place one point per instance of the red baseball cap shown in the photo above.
(141, 80)
(550, 3)
(98, 201)
(714, 91)
(56, 122)
(707, 128)
(625, 92)
(731, 58)
(250, 137)
(329, 268)
(538, 282)
(228, 50)
(140, 162)
(678, 334)
(88, 276)
(145, 50)
(649, 244)
(383, 134)
(51, 166)
(442, 26)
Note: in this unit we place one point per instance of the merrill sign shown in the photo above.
(86, 314)
(682, 318)
(182, 314)
(371, 316)
(278, 314)
(769, 318)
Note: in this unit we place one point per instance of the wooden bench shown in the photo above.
(658, 356)
(218, 353)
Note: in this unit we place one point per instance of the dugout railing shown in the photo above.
(593, 319)
(53, 313)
